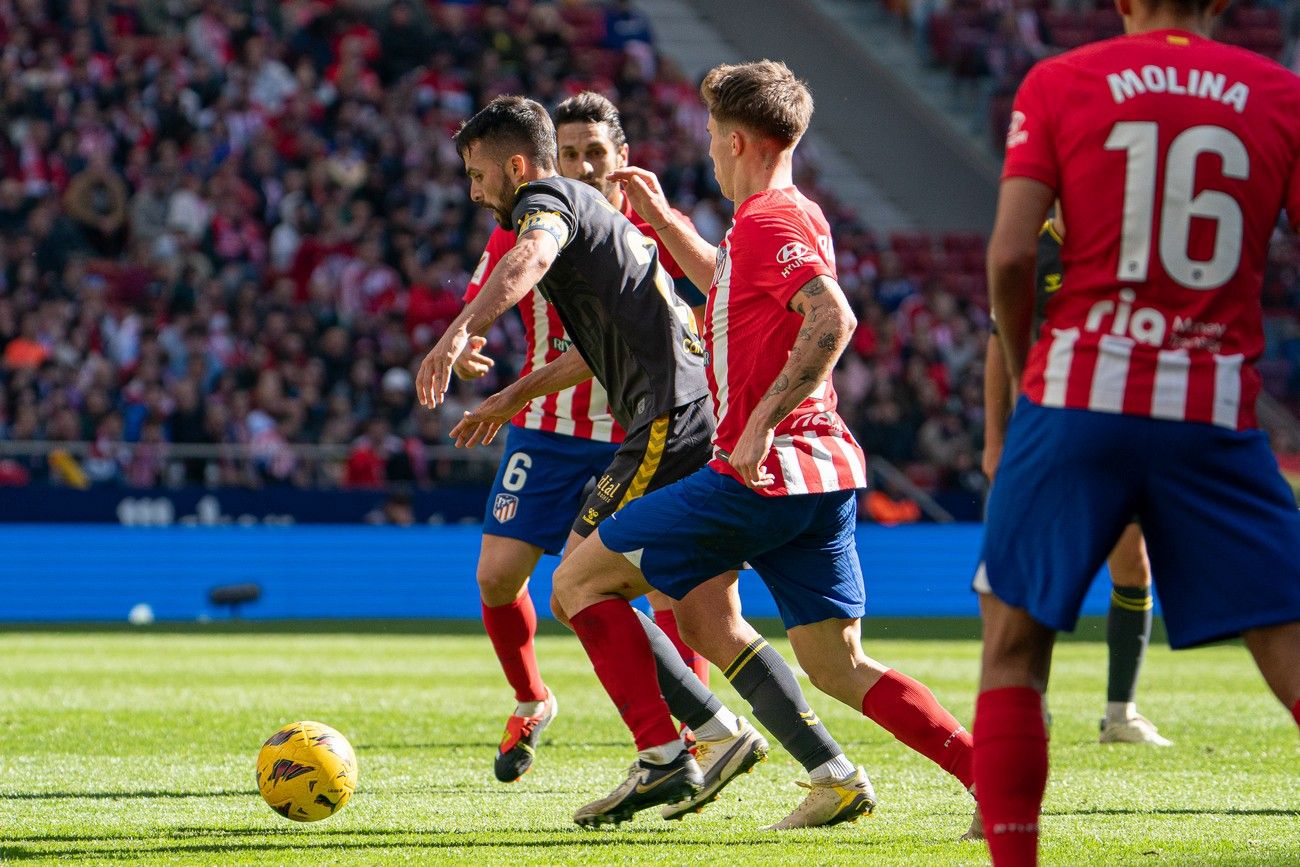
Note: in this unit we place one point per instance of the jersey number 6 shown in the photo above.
(516, 473)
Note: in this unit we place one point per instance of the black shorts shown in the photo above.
(655, 453)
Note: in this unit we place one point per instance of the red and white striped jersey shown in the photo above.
(581, 411)
(1172, 156)
(778, 242)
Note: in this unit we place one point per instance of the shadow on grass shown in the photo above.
(873, 628)
(324, 834)
(1178, 811)
(115, 796)
(376, 839)
(473, 789)
(475, 745)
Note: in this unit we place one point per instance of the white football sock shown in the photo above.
(529, 708)
(1120, 711)
(663, 754)
(838, 768)
(722, 725)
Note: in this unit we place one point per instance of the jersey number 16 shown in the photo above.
(1178, 204)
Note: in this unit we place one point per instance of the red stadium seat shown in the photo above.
(606, 63)
(1055, 18)
(999, 120)
(1230, 33)
(973, 261)
(1251, 16)
(941, 33)
(1105, 22)
(1074, 36)
(1266, 40)
(909, 241)
(971, 287)
(924, 476)
(960, 242)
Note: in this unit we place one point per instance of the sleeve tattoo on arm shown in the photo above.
(782, 384)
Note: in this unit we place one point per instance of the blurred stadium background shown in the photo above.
(230, 229)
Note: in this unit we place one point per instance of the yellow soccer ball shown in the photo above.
(306, 771)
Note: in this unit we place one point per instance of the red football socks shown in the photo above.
(667, 621)
(1295, 712)
(620, 653)
(1010, 771)
(511, 628)
(909, 711)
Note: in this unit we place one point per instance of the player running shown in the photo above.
(780, 491)
(604, 278)
(1172, 156)
(555, 447)
(1128, 624)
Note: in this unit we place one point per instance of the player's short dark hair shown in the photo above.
(510, 125)
(1188, 7)
(764, 96)
(591, 107)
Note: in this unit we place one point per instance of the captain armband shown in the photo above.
(545, 221)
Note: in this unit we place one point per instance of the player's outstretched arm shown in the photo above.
(1012, 255)
(482, 423)
(695, 255)
(828, 325)
(515, 275)
(997, 405)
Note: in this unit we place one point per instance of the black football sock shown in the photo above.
(764, 679)
(688, 699)
(1128, 631)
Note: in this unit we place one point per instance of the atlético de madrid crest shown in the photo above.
(504, 508)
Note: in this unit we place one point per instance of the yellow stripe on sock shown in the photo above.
(1130, 604)
(743, 658)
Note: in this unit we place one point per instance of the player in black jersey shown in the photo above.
(632, 332)
(1128, 624)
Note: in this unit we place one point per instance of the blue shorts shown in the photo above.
(541, 484)
(803, 547)
(1221, 526)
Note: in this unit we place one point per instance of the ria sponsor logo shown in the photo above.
(1144, 324)
(1149, 326)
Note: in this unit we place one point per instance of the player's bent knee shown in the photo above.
(498, 588)
(1128, 568)
(504, 566)
(1129, 572)
(1128, 561)
(826, 670)
(557, 610)
(692, 636)
(573, 585)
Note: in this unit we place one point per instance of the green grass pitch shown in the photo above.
(138, 746)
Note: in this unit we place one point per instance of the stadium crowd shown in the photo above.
(242, 223)
(987, 47)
